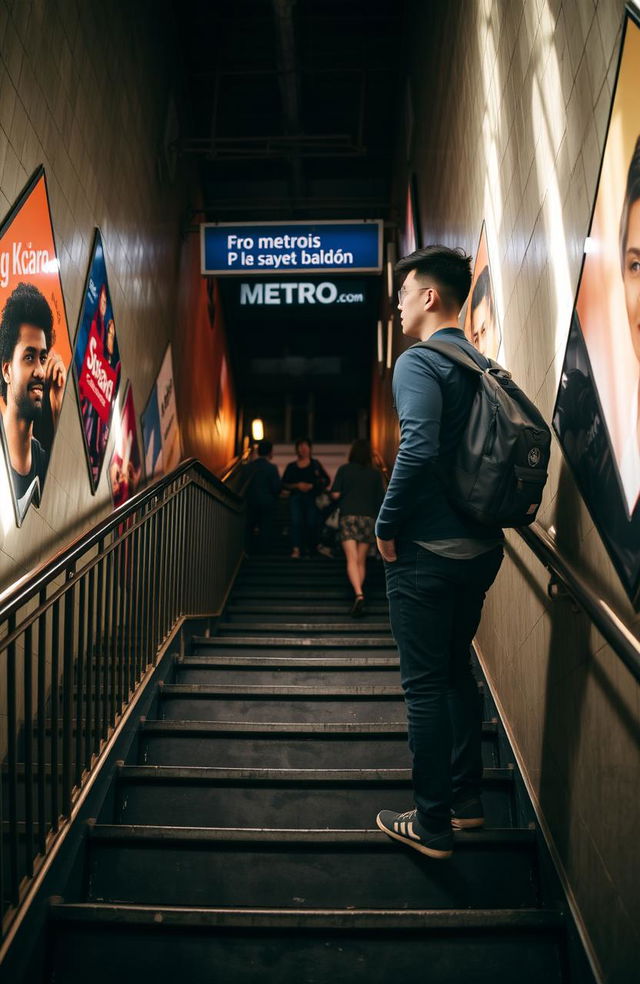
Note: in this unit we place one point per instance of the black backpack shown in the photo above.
(500, 467)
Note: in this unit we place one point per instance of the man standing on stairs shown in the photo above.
(439, 564)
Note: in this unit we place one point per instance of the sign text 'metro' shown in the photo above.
(295, 247)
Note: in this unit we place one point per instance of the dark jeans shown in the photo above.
(305, 520)
(434, 607)
(261, 528)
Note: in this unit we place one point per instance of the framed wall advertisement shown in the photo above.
(96, 362)
(125, 467)
(597, 411)
(35, 349)
(481, 322)
(159, 419)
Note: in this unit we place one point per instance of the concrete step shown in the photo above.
(306, 868)
(244, 797)
(297, 671)
(106, 943)
(239, 743)
(360, 626)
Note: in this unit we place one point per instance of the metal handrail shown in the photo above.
(611, 627)
(30, 583)
(77, 636)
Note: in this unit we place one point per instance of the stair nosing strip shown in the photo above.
(384, 729)
(328, 776)
(379, 919)
(491, 837)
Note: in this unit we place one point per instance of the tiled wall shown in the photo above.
(84, 91)
(510, 121)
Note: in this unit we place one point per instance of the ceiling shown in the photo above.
(291, 105)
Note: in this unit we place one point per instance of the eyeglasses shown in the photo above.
(402, 293)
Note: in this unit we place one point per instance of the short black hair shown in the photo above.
(482, 289)
(265, 447)
(450, 269)
(631, 196)
(360, 453)
(303, 440)
(26, 305)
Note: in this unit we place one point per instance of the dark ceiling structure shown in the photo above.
(290, 112)
(292, 105)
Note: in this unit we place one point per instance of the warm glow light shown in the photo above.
(379, 341)
(391, 262)
(257, 429)
(389, 342)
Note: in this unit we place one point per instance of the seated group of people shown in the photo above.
(357, 491)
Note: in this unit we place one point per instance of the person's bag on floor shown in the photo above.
(500, 467)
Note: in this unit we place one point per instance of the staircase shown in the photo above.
(240, 844)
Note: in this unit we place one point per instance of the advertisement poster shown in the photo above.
(411, 239)
(160, 431)
(481, 324)
(125, 468)
(606, 330)
(35, 349)
(96, 362)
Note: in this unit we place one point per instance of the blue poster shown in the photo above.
(96, 362)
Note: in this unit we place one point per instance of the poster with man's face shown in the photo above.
(125, 467)
(481, 324)
(96, 362)
(35, 350)
(606, 331)
(160, 430)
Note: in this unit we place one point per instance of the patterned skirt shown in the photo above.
(358, 528)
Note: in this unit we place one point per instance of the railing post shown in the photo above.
(67, 696)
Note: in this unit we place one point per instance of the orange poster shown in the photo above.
(481, 325)
(35, 350)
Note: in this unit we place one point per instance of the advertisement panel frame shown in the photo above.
(591, 440)
(36, 489)
(97, 241)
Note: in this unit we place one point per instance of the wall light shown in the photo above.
(391, 262)
(257, 429)
(389, 342)
(379, 341)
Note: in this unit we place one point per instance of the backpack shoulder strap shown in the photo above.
(453, 352)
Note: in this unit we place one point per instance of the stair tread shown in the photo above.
(214, 774)
(268, 690)
(326, 641)
(275, 627)
(279, 835)
(288, 662)
(383, 729)
(382, 920)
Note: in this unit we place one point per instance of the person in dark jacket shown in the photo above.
(439, 564)
(262, 496)
(305, 479)
(359, 489)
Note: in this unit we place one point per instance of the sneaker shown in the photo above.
(406, 828)
(357, 609)
(467, 814)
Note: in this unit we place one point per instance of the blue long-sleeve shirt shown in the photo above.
(433, 397)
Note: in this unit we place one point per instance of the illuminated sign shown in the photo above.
(294, 293)
(294, 247)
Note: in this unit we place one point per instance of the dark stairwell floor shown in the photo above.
(242, 845)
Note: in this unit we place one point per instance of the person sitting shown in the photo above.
(305, 479)
(359, 487)
(262, 495)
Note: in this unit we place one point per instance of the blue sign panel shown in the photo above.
(294, 247)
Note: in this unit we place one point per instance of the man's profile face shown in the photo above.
(411, 306)
(25, 372)
(483, 332)
(631, 276)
